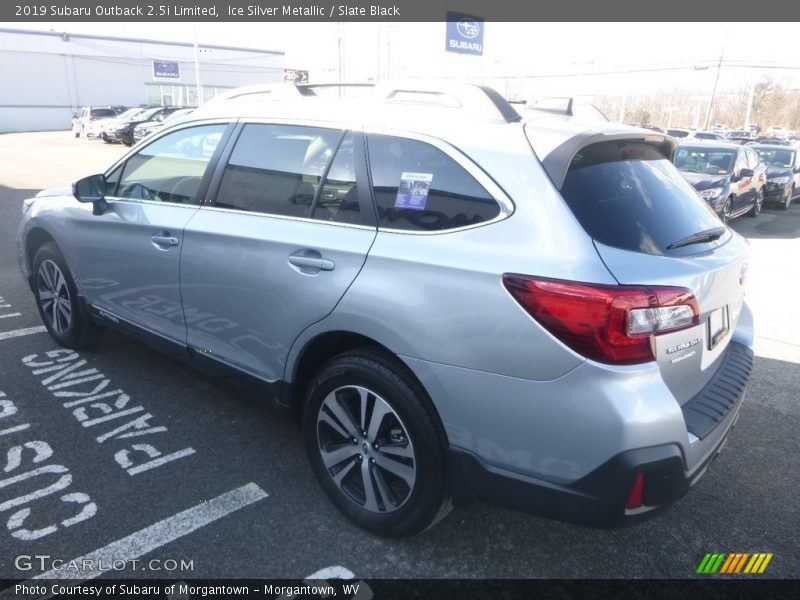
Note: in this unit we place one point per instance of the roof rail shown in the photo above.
(478, 101)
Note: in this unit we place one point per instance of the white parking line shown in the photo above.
(10, 315)
(4, 335)
(159, 534)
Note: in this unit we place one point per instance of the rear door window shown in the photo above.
(277, 169)
(418, 187)
(629, 195)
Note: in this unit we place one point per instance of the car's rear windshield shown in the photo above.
(103, 112)
(627, 194)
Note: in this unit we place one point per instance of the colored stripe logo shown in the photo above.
(734, 563)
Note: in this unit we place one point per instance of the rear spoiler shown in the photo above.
(557, 161)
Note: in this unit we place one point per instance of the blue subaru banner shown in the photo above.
(166, 70)
(464, 34)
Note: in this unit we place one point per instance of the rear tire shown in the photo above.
(376, 444)
(756, 210)
(726, 209)
(62, 312)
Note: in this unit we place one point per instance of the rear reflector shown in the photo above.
(607, 323)
(637, 493)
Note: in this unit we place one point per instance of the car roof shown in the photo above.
(467, 116)
(773, 146)
(697, 143)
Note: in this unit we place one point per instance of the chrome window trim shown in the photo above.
(248, 213)
(497, 193)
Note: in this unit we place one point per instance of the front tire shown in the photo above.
(787, 201)
(376, 444)
(63, 314)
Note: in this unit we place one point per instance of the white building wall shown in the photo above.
(46, 77)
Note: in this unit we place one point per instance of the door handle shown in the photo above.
(311, 262)
(164, 240)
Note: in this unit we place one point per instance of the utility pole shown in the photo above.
(716, 80)
(622, 108)
(750, 104)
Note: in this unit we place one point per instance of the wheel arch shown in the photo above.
(316, 351)
(35, 239)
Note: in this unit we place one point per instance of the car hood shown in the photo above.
(56, 191)
(704, 181)
(773, 172)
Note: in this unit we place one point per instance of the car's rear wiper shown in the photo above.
(709, 235)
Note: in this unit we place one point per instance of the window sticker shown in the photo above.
(412, 193)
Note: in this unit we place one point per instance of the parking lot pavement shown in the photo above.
(173, 465)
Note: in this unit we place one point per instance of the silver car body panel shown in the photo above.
(506, 389)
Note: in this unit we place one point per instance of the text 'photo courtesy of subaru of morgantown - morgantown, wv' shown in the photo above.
(435, 282)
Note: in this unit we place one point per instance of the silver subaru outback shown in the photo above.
(459, 301)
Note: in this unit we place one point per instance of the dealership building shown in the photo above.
(48, 76)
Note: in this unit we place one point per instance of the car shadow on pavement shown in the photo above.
(771, 223)
(744, 503)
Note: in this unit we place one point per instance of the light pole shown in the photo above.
(199, 88)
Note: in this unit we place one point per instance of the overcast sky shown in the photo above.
(579, 54)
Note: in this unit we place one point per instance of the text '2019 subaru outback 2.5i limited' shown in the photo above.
(458, 301)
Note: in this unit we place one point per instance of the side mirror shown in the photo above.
(92, 189)
(746, 173)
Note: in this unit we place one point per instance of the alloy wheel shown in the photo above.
(366, 449)
(54, 297)
(726, 211)
(759, 203)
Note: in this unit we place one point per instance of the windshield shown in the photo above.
(129, 113)
(712, 161)
(707, 136)
(783, 159)
(739, 134)
(628, 195)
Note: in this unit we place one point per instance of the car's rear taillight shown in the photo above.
(607, 323)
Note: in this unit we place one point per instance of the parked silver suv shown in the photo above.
(458, 301)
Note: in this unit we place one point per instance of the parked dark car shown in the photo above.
(783, 173)
(741, 136)
(708, 135)
(731, 178)
(124, 133)
(142, 130)
(679, 133)
(772, 141)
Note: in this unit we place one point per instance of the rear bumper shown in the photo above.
(599, 498)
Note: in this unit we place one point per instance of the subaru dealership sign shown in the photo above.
(166, 70)
(464, 34)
